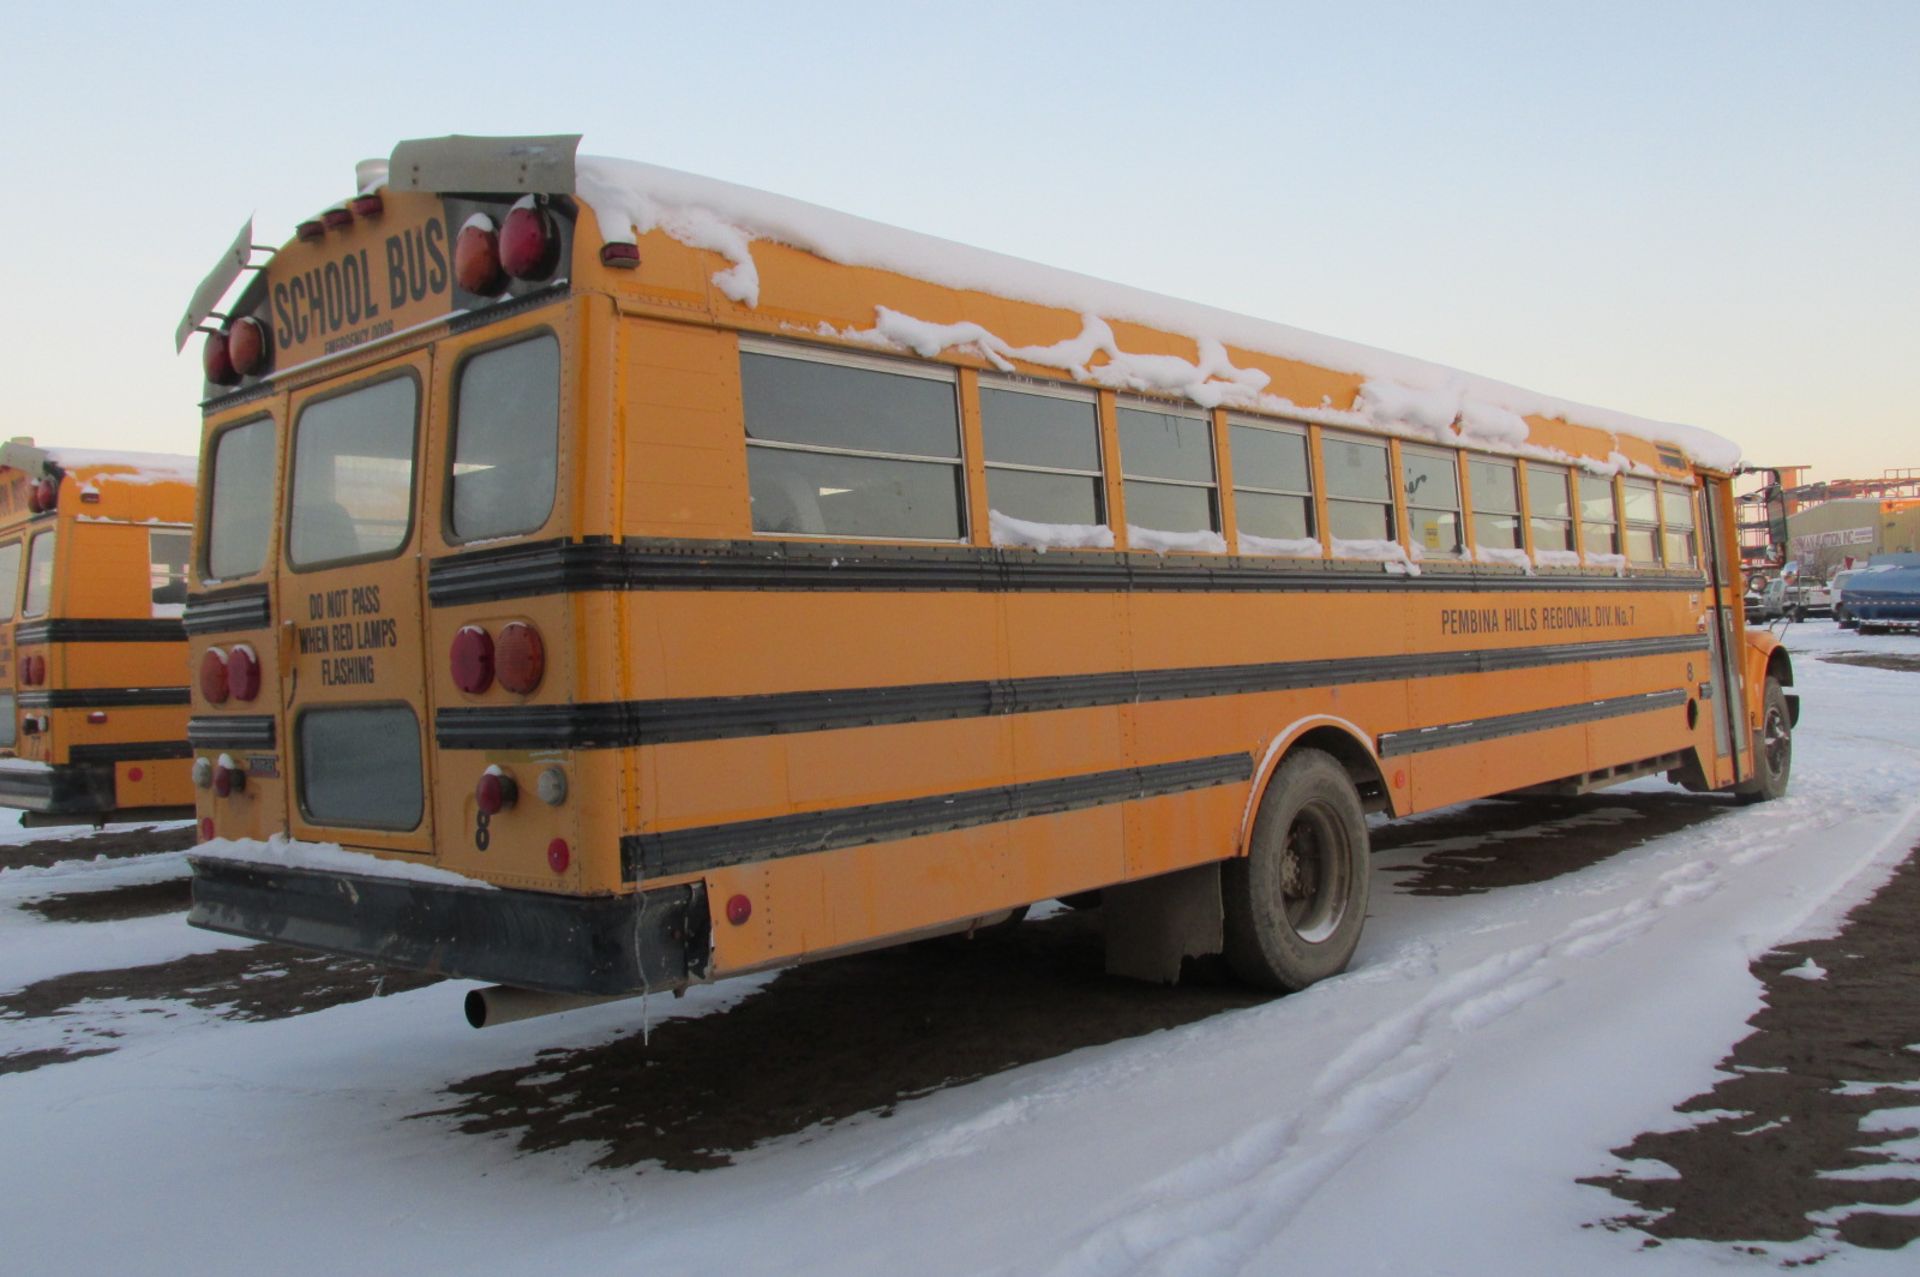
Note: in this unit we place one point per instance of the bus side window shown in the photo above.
(1359, 490)
(1166, 464)
(1550, 509)
(1643, 522)
(506, 439)
(1496, 503)
(1042, 456)
(843, 449)
(9, 579)
(1432, 482)
(167, 551)
(1599, 521)
(1273, 490)
(240, 504)
(1676, 507)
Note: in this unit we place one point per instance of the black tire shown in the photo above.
(1772, 749)
(1798, 615)
(1296, 902)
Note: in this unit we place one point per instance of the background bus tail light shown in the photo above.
(247, 347)
(228, 778)
(213, 676)
(519, 658)
(476, 257)
(471, 660)
(243, 673)
(33, 670)
(217, 363)
(529, 242)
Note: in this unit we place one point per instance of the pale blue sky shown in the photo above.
(1698, 211)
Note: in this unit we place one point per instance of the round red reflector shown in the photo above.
(520, 658)
(495, 793)
(739, 909)
(247, 348)
(213, 676)
(206, 829)
(471, 660)
(243, 673)
(96, 716)
(134, 773)
(476, 258)
(216, 362)
(559, 856)
(529, 243)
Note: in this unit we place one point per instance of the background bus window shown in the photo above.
(39, 576)
(506, 440)
(1272, 487)
(353, 474)
(1166, 463)
(840, 450)
(240, 507)
(1043, 456)
(167, 551)
(1359, 489)
(1643, 521)
(1599, 522)
(1549, 507)
(9, 720)
(1496, 503)
(9, 579)
(1676, 504)
(1432, 483)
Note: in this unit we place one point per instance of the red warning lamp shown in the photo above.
(519, 658)
(476, 257)
(529, 242)
(247, 347)
(217, 362)
(471, 660)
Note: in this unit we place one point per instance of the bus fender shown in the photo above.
(1766, 657)
(1340, 737)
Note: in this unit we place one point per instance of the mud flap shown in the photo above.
(1154, 924)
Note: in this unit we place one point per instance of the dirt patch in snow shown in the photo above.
(260, 982)
(1876, 661)
(1778, 1153)
(826, 1042)
(1484, 846)
(115, 904)
(112, 844)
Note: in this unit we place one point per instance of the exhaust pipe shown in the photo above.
(503, 1004)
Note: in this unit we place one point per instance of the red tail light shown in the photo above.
(228, 778)
(243, 673)
(476, 257)
(247, 348)
(206, 829)
(559, 855)
(216, 362)
(520, 658)
(529, 242)
(213, 676)
(496, 792)
(471, 660)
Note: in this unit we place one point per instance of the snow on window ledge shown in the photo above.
(1284, 547)
(1009, 531)
(1502, 557)
(1158, 542)
(1391, 555)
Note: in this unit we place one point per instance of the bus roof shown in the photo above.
(86, 464)
(1400, 394)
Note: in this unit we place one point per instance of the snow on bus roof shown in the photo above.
(1400, 394)
(129, 467)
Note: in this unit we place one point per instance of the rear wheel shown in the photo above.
(1772, 749)
(1294, 905)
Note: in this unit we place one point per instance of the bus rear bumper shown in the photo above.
(647, 941)
(65, 789)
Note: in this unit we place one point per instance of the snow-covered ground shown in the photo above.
(1429, 1112)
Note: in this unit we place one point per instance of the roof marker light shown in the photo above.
(366, 206)
(620, 256)
(336, 219)
(308, 232)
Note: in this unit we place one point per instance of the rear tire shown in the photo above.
(1294, 905)
(1772, 749)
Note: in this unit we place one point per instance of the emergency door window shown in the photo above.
(167, 551)
(353, 475)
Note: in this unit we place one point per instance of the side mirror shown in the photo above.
(1777, 523)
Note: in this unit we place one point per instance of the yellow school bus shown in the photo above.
(608, 579)
(93, 656)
